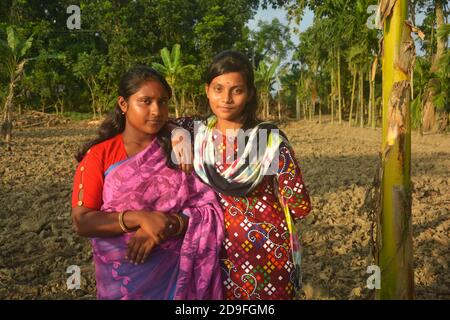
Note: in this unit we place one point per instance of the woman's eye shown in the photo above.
(217, 89)
(237, 91)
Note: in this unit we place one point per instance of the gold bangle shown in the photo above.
(122, 223)
(181, 225)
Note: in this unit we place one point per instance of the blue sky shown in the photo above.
(270, 14)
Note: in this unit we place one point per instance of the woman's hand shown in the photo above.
(182, 149)
(153, 229)
(139, 247)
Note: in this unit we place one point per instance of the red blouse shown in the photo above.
(90, 173)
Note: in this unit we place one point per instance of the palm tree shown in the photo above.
(12, 60)
(394, 237)
(421, 79)
(172, 69)
(435, 96)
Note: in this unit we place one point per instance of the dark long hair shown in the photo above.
(233, 61)
(114, 122)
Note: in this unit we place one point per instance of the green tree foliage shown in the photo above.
(114, 36)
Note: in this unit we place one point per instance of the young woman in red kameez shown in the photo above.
(257, 259)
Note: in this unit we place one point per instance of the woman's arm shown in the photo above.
(153, 227)
(291, 187)
(92, 223)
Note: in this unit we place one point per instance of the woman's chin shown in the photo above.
(154, 128)
(228, 116)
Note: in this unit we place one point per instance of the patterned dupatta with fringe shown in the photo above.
(246, 171)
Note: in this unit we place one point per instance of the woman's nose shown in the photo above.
(228, 97)
(155, 108)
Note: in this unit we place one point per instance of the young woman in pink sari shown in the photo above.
(156, 231)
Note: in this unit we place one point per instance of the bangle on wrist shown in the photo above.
(180, 225)
(122, 223)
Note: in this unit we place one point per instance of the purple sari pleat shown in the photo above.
(185, 267)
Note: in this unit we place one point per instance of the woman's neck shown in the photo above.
(223, 125)
(135, 141)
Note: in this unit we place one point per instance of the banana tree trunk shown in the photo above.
(297, 107)
(394, 236)
(175, 102)
(183, 104)
(350, 119)
(7, 125)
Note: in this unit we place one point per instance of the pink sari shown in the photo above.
(180, 268)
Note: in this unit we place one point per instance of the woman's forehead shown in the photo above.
(152, 88)
(230, 78)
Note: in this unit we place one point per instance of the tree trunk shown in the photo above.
(183, 104)
(440, 48)
(194, 106)
(353, 98)
(313, 106)
(332, 96)
(297, 107)
(279, 110)
(430, 58)
(311, 112)
(412, 11)
(430, 116)
(370, 110)
(394, 235)
(7, 125)
(175, 102)
(304, 111)
(320, 113)
(339, 84)
(361, 98)
(374, 108)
